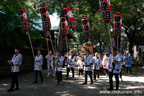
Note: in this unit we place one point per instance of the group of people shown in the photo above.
(87, 64)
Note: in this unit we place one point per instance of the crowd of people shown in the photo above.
(86, 64)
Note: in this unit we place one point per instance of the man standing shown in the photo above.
(88, 66)
(96, 65)
(49, 58)
(15, 63)
(38, 66)
(114, 68)
(71, 61)
(58, 66)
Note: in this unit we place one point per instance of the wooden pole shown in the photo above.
(47, 45)
(110, 39)
(31, 44)
(66, 43)
(117, 42)
(51, 43)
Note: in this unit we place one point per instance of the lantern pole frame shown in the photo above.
(30, 43)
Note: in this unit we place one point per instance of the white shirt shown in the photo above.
(38, 62)
(17, 61)
(80, 64)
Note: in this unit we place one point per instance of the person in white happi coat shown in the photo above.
(50, 66)
(96, 65)
(114, 68)
(15, 63)
(105, 63)
(58, 66)
(71, 61)
(80, 64)
(88, 66)
(38, 66)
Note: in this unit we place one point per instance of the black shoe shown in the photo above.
(57, 83)
(66, 78)
(91, 83)
(116, 89)
(34, 82)
(10, 90)
(110, 89)
(42, 81)
(84, 83)
(16, 89)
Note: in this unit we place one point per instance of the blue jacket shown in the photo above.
(128, 60)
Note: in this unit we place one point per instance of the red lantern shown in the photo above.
(105, 9)
(24, 19)
(85, 25)
(117, 23)
(45, 18)
(64, 26)
(70, 18)
(45, 34)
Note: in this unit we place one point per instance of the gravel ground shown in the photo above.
(73, 86)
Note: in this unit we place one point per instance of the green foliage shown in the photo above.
(131, 10)
(11, 33)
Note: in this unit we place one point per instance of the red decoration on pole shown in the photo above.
(45, 18)
(105, 9)
(86, 27)
(64, 26)
(117, 23)
(24, 19)
(70, 18)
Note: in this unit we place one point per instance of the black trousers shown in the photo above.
(90, 75)
(14, 78)
(96, 72)
(111, 80)
(130, 69)
(59, 76)
(121, 74)
(68, 70)
(80, 72)
(36, 75)
(106, 71)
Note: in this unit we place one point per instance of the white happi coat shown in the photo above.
(88, 62)
(17, 61)
(80, 64)
(59, 63)
(117, 66)
(71, 61)
(96, 63)
(38, 62)
(49, 58)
